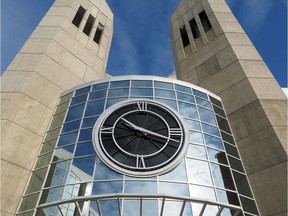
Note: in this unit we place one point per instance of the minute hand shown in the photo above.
(157, 135)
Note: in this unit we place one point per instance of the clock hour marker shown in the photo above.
(142, 106)
(175, 132)
(108, 130)
(140, 163)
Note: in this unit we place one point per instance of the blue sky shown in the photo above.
(141, 43)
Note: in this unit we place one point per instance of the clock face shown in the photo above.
(140, 137)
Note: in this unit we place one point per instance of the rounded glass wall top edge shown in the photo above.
(142, 77)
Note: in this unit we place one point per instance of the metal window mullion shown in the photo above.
(60, 210)
(203, 209)
(141, 205)
(162, 206)
(119, 206)
(182, 208)
(78, 208)
(220, 211)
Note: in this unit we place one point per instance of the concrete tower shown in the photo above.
(212, 50)
(70, 46)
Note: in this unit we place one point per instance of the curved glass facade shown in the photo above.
(69, 177)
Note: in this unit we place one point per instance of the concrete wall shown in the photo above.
(56, 57)
(224, 61)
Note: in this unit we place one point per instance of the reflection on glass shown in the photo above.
(104, 173)
(196, 151)
(228, 138)
(192, 125)
(97, 95)
(206, 116)
(222, 176)
(112, 101)
(140, 187)
(219, 111)
(94, 108)
(53, 194)
(71, 126)
(200, 94)
(82, 91)
(100, 86)
(227, 197)
(177, 174)
(85, 134)
(209, 210)
(236, 164)
(203, 103)
(213, 142)
(196, 137)
(67, 138)
(118, 92)
(232, 150)
(210, 129)
(117, 84)
(109, 207)
(185, 97)
(249, 205)
(29, 202)
(217, 156)
(174, 188)
(164, 85)
(88, 122)
(107, 187)
(141, 92)
(143, 83)
(183, 88)
(172, 208)
(215, 101)
(164, 93)
(85, 167)
(198, 172)
(242, 184)
(150, 207)
(75, 112)
(86, 148)
(170, 103)
(131, 207)
(187, 110)
(202, 192)
(77, 100)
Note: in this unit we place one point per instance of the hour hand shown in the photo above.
(130, 124)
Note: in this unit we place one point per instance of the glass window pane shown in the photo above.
(75, 112)
(177, 174)
(86, 148)
(112, 101)
(228, 138)
(118, 92)
(150, 207)
(206, 116)
(223, 124)
(86, 166)
(64, 153)
(203, 103)
(215, 101)
(217, 156)
(222, 176)
(185, 97)
(94, 108)
(85, 135)
(131, 207)
(104, 173)
(89, 122)
(202, 192)
(187, 110)
(97, 95)
(174, 188)
(67, 138)
(107, 187)
(236, 164)
(77, 100)
(170, 103)
(209, 209)
(200, 94)
(109, 207)
(71, 126)
(213, 142)
(118, 84)
(140, 187)
(143, 83)
(141, 92)
(164, 93)
(210, 129)
(100, 86)
(82, 91)
(183, 88)
(164, 85)
(227, 197)
(196, 137)
(196, 151)
(249, 205)
(219, 111)
(29, 202)
(232, 150)
(192, 125)
(36, 181)
(198, 172)
(173, 208)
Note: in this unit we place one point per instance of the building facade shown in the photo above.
(99, 157)
(138, 145)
